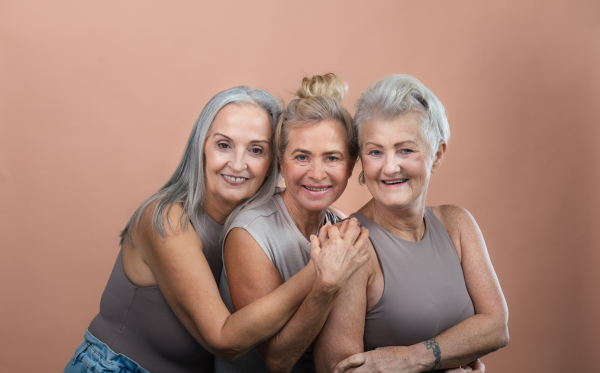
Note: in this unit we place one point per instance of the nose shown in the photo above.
(391, 166)
(316, 171)
(238, 162)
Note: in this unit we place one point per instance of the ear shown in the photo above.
(439, 155)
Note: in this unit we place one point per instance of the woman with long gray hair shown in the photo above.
(161, 310)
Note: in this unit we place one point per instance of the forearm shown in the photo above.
(262, 318)
(283, 350)
(463, 343)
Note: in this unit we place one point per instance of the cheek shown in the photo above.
(371, 167)
(260, 168)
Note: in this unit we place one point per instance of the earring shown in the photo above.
(361, 178)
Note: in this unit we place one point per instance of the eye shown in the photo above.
(222, 145)
(256, 150)
(332, 158)
(302, 157)
(406, 151)
(375, 153)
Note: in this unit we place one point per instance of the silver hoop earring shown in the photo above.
(361, 178)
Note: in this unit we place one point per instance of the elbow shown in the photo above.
(275, 365)
(499, 336)
(226, 351)
(504, 337)
(229, 354)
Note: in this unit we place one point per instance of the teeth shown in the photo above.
(234, 179)
(317, 189)
(394, 182)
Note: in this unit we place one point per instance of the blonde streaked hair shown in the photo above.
(318, 99)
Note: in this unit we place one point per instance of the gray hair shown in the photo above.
(187, 185)
(398, 94)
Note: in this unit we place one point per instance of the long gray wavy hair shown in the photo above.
(187, 185)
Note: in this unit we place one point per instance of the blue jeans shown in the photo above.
(96, 357)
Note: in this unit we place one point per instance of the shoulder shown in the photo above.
(174, 223)
(251, 214)
(452, 217)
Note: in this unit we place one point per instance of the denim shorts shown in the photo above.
(96, 357)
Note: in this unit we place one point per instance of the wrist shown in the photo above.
(423, 358)
(326, 287)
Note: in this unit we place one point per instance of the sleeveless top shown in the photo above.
(276, 233)
(137, 322)
(424, 292)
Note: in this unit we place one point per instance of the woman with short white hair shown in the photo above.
(429, 298)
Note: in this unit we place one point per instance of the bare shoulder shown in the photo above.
(459, 224)
(173, 218)
(453, 218)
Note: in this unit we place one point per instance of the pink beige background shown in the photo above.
(97, 99)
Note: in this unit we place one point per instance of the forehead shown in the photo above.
(242, 119)
(403, 128)
(322, 135)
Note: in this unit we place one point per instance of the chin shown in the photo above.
(317, 205)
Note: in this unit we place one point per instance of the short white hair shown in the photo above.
(397, 95)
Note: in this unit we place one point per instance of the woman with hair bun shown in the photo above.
(429, 298)
(266, 244)
(161, 310)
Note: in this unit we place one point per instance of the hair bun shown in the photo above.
(323, 85)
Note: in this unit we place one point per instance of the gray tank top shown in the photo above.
(274, 230)
(137, 321)
(425, 291)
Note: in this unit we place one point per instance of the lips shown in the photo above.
(316, 189)
(394, 182)
(234, 180)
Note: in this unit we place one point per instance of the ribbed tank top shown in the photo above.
(424, 292)
(276, 233)
(137, 321)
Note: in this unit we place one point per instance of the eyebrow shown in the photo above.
(304, 151)
(395, 145)
(230, 139)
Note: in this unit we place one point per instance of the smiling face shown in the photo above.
(237, 155)
(316, 166)
(397, 162)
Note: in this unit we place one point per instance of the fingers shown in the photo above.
(362, 246)
(352, 231)
(333, 232)
(477, 366)
(323, 233)
(350, 362)
(315, 246)
(344, 227)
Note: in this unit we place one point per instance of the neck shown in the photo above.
(405, 222)
(306, 221)
(216, 210)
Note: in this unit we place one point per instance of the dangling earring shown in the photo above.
(361, 178)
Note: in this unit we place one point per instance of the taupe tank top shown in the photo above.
(274, 230)
(137, 321)
(425, 291)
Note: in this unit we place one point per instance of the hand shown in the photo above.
(384, 359)
(474, 366)
(338, 253)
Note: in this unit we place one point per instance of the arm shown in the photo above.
(186, 281)
(342, 334)
(251, 276)
(467, 341)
